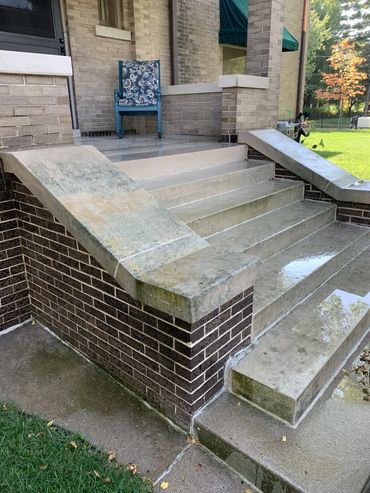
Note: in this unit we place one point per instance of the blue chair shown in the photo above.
(139, 92)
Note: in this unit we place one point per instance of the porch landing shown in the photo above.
(146, 146)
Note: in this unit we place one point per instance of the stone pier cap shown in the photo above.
(156, 258)
(308, 165)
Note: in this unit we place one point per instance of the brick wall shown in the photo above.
(34, 110)
(192, 114)
(94, 66)
(199, 53)
(290, 61)
(14, 300)
(175, 366)
(245, 108)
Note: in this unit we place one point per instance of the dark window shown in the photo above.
(29, 17)
(110, 13)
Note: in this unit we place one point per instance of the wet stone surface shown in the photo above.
(43, 376)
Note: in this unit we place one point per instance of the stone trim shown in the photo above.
(176, 366)
(246, 81)
(201, 88)
(19, 62)
(112, 32)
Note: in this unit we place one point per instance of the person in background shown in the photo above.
(302, 126)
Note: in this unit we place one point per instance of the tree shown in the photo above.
(356, 26)
(325, 29)
(344, 83)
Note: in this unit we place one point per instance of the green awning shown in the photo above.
(289, 41)
(234, 25)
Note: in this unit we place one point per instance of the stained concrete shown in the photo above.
(327, 453)
(41, 375)
(308, 165)
(197, 471)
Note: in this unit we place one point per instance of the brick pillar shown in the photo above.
(265, 38)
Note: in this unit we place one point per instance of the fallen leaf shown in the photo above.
(43, 467)
(190, 440)
(132, 468)
(50, 423)
(106, 480)
(30, 435)
(73, 444)
(4, 407)
(111, 455)
(40, 434)
(164, 485)
(283, 439)
(33, 322)
(96, 474)
(248, 491)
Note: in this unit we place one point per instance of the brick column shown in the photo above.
(265, 38)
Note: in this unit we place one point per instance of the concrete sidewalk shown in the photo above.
(42, 375)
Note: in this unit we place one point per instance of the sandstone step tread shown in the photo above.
(258, 230)
(300, 355)
(219, 203)
(181, 177)
(287, 269)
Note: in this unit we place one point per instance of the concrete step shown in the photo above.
(295, 360)
(290, 276)
(220, 181)
(270, 233)
(209, 215)
(327, 453)
(179, 163)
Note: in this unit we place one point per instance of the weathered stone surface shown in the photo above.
(126, 229)
(292, 362)
(304, 163)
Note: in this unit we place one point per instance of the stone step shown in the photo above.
(209, 215)
(290, 276)
(167, 165)
(270, 233)
(220, 182)
(295, 360)
(327, 453)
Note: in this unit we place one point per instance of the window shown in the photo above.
(110, 13)
(31, 25)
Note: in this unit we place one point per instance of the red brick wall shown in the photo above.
(174, 365)
(14, 300)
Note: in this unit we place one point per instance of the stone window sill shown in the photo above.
(113, 33)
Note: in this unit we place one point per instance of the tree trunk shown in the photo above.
(340, 114)
(367, 101)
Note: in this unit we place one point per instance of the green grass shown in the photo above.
(37, 458)
(348, 149)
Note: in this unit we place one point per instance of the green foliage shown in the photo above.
(36, 457)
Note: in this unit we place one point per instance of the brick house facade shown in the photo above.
(183, 35)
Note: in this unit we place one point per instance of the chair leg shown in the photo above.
(119, 125)
(159, 123)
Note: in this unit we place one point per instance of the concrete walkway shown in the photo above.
(42, 375)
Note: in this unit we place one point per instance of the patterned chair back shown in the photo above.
(139, 83)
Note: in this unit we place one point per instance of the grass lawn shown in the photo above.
(36, 457)
(349, 149)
